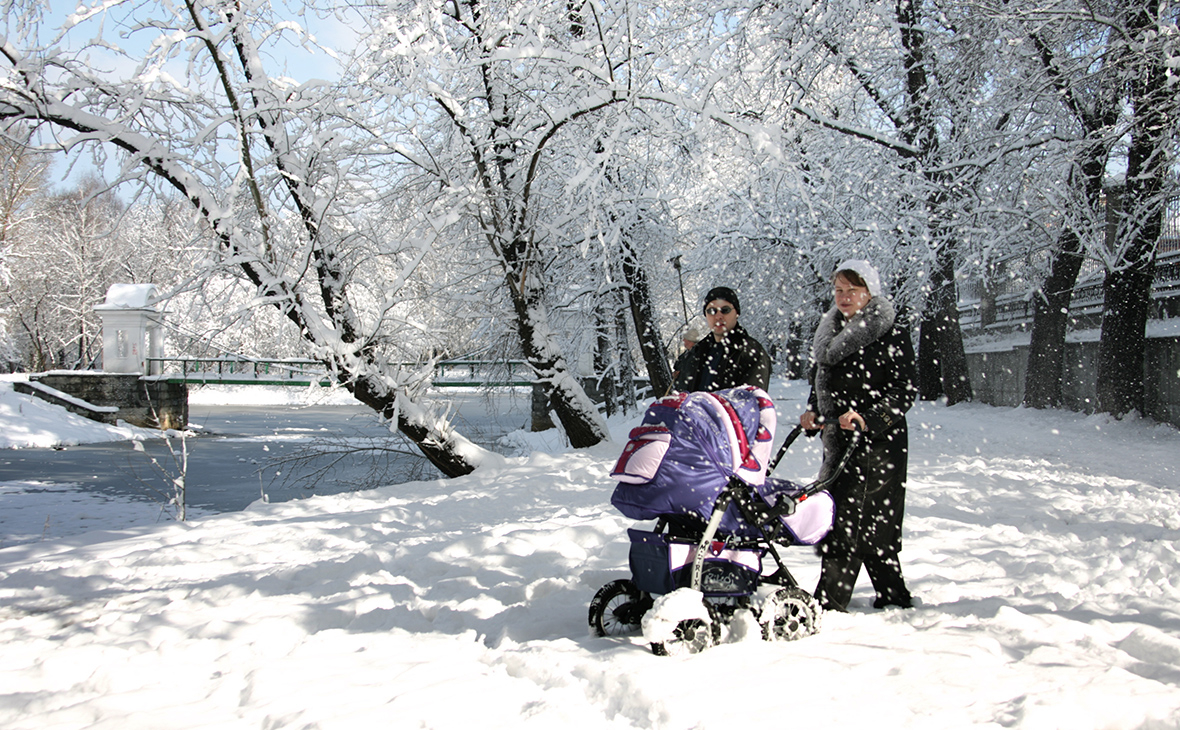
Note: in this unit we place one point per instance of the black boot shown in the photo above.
(901, 601)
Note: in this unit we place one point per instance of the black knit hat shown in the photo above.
(725, 293)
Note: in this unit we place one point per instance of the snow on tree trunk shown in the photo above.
(575, 411)
(651, 344)
(445, 448)
(1127, 287)
(1046, 350)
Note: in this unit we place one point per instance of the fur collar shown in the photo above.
(836, 339)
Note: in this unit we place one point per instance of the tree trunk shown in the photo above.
(604, 371)
(1096, 114)
(1046, 350)
(929, 365)
(625, 392)
(447, 455)
(539, 418)
(942, 368)
(940, 331)
(1127, 287)
(1126, 296)
(575, 411)
(651, 344)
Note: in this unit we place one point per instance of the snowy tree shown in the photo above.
(457, 124)
(515, 114)
(24, 177)
(1149, 29)
(908, 79)
(1104, 67)
(60, 267)
(1089, 90)
(1077, 60)
(274, 169)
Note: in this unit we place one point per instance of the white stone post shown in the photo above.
(131, 328)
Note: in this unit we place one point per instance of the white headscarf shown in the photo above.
(866, 271)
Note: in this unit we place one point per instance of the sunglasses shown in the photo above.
(713, 311)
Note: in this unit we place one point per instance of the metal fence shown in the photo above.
(298, 372)
(239, 370)
(1013, 310)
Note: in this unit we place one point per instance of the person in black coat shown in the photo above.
(726, 358)
(862, 376)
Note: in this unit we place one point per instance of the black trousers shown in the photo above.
(870, 505)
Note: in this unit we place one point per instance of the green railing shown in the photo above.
(296, 372)
(239, 371)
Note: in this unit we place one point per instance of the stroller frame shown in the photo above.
(787, 613)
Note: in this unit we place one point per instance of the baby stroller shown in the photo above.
(699, 465)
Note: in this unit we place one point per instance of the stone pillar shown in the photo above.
(131, 329)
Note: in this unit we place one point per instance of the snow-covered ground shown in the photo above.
(1042, 547)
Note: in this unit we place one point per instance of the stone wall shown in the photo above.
(997, 376)
(102, 414)
(146, 402)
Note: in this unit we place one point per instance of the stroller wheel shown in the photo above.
(789, 614)
(691, 636)
(617, 608)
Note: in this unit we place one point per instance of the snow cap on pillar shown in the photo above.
(866, 272)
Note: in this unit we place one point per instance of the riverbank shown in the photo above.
(1041, 546)
(63, 475)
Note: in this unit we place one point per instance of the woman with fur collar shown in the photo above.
(862, 377)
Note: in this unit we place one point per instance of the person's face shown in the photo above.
(722, 317)
(850, 298)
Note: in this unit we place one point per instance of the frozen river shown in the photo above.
(284, 452)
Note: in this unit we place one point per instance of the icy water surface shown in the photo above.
(282, 452)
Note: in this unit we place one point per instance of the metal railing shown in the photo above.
(1012, 311)
(239, 371)
(299, 372)
(482, 373)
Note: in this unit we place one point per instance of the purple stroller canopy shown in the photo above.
(686, 450)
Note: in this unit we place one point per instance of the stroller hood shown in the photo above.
(687, 448)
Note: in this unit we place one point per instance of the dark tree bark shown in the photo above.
(929, 367)
(1046, 351)
(651, 344)
(940, 330)
(625, 391)
(1127, 287)
(539, 418)
(1096, 113)
(603, 366)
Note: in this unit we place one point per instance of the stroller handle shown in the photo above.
(782, 450)
(786, 506)
(737, 490)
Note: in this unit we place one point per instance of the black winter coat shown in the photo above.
(877, 376)
(870, 370)
(735, 361)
